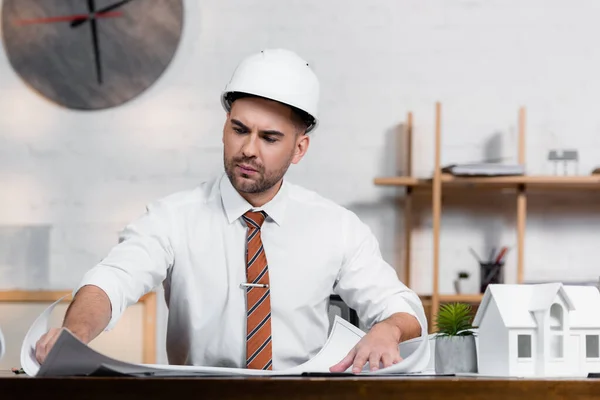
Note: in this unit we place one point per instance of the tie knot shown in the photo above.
(254, 219)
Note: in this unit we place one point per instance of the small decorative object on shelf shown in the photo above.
(564, 157)
(455, 349)
(462, 275)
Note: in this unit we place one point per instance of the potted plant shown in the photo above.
(462, 275)
(455, 349)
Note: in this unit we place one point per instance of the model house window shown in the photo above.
(524, 346)
(592, 346)
(556, 317)
(556, 346)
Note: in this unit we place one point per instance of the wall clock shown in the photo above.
(91, 54)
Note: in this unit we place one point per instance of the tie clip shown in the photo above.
(258, 285)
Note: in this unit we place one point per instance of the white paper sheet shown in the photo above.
(2, 345)
(415, 353)
(70, 356)
(39, 327)
(342, 338)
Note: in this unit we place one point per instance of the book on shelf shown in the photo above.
(484, 169)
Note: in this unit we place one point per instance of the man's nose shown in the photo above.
(249, 149)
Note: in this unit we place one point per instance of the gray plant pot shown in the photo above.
(455, 354)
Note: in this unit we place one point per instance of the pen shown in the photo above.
(258, 285)
(492, 254)
(475, 255)
(501, 254)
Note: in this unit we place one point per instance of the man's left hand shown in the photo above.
(379, 347)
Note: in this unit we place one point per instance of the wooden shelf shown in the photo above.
(439, 184)
(450, 298)
(402, 181)
(548, 182)
(529, 181)
(464, 298)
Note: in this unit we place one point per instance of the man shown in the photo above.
(248, 260)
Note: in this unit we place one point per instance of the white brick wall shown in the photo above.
(88, 174)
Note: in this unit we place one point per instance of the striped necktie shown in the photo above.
(258, 299)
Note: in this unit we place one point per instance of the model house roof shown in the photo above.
(543, 295)
(517, 303)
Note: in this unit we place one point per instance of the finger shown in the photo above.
(44, 345)
(51, 343)
(42, 348)
(397, 358)
(345, 363)
(39, 349)
(359, 361)
(374, 359)
(387, 359)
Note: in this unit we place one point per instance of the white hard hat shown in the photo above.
(279, 75)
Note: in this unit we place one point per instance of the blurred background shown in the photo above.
(79, 159)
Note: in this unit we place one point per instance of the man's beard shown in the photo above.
(260, 181)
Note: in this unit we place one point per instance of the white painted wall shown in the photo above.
(87, 174)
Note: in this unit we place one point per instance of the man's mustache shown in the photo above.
(249, 162)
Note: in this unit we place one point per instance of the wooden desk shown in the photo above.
(20, 386)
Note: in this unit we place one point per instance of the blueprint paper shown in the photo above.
(71, 357)
(2, 345)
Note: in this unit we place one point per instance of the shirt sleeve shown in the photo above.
(137, 264)
(370, 285)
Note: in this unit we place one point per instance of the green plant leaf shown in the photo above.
(454, 319)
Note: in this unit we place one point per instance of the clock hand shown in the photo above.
(104, 10)
(113, 6)
(67, 18)
(92, 8)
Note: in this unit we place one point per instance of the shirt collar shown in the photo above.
(235, 205)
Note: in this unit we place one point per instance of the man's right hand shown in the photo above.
(88, 314)
(45, 344)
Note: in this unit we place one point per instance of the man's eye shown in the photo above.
(270, 139)
(238, 130)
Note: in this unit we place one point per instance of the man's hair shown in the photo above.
(301, 118)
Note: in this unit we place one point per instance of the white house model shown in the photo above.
(538, 330)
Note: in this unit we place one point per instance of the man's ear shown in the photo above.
(225, 126)
(302, 143)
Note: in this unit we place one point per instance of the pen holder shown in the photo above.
(490, 273)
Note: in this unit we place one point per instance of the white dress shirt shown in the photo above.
(193, 242)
